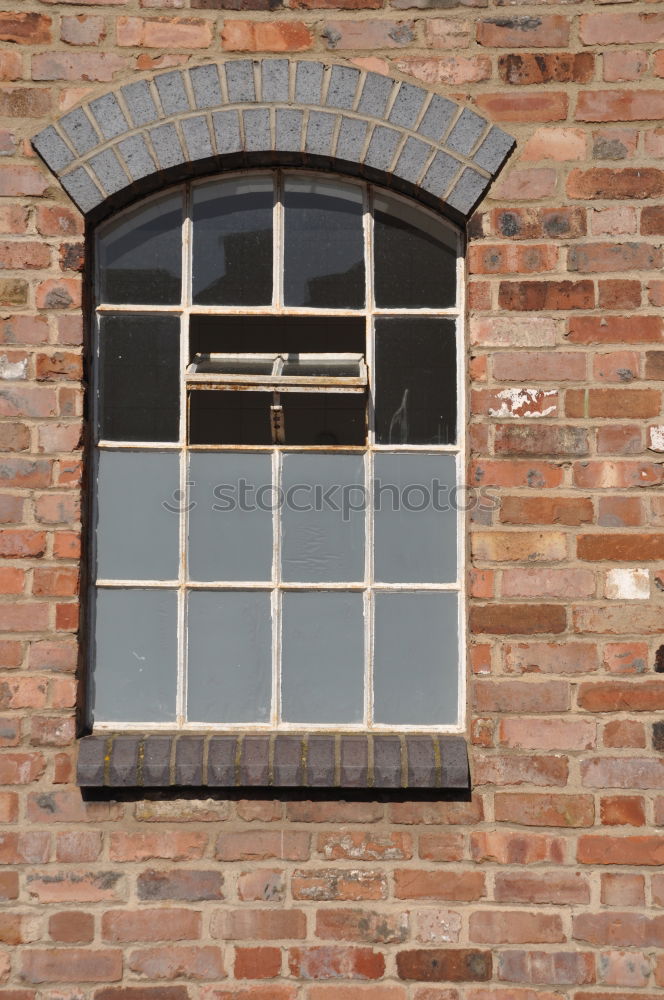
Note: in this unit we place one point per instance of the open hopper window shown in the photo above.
(278, 398)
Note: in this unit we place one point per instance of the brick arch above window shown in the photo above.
(248, 112)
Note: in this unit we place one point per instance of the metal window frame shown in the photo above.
(185, 309)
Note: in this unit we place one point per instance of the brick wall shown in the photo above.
(544, 886)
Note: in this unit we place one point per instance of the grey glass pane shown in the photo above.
(230, 517)
(229, 666)
(324, 244)
(415, 536)
(416, 394)
(323, 518)
(232, 248)
(139, 385)
(219, 416)
(322, 657)
(415, 257)
(139, 256)
(416, 659)
(232, 366)
(137, 515)
(134, 677)
(325, 418)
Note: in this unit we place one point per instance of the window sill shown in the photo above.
(281, 760)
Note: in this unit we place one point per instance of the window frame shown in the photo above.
(369, 313)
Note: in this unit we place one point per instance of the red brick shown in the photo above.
(625, 657)
(159, 924)
(615, 329)
(527, 809)
(512, 848)
(606, 182)
(515, 927)
(548, 887)
(21, 768)
(78, 845)
(67, 806)
(427, 813)
(332, 962)
(547, 968)
(622, 772)
(71, 965)
(441, 847)
(448, 965)
(76, 886)
(526, 439)
(533, 296)
(178, 845)
(71, 927)
(308, 811)
(526, 184)
(543, 106)
(362, 925)
(164, 32)
(619, 294)
(174, 962)
(356, 846)
(619, 439)
(624, 733)
(621, 548)
(559, 67)
(259, 845)
(622, 810)
(521, 696)
(623, 889)
(25, 28)
(338, 884)
(257, 963)
(262, 36)
(594, 849)
(546, 31)
(518, 769)
(617, 475)
(546, 510)
(416, 883)
(516, 619)
(263, 925)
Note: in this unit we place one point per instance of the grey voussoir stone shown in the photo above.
(494, 149)
(407, 105)
(274, 80)
(412, 159)
(440, 174)
(351, 140)
(257, 136)
(308, 82)
(437, 117)
(172, 92)
(108, 171)
(226, 126)
(197, 138)
(140, 104)
(166, 144)
(467, 190)
(320, 132)
(465, 133)
(375, 95)
(205, 85)
(289, 129)
(79, 130)
(382, 147)
(240, 81)
(53, 149)
(343, 87)
(136, 155)
(109, 116)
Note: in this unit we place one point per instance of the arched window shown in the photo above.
(277, 388)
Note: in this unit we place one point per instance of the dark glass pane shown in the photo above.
(278, 334)
(324, 244)
(218, 416)
(233, 242)
(139, 256)
(325, 367)
(415, 257)
(139, 387)
(235, 366)
(416, 395)
(324, 418)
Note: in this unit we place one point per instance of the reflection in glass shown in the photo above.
(232, 246)
(135, 664)
(137, 515)
(416, 664)
(139, 380)
(415, 257)
(323, 657)
(230, 517)
(323, 518)
(324, 244)
(139, 256)
(229, 677)
(416, 397)
(278, 334)
(415, 518)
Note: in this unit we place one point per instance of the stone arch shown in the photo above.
(245, 112)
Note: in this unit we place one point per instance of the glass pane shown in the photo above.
(139, 255)
(221, 365)
(415, 519)
(218, 416)
(416, 395)
(322, 658)
(135, 670)
(322, 367)
(137, 515)
(325, 418)
(323, 518)
(230, 516)
(232, 250)
(139, 382)
(324, 244)
(229, 666)
(278, 334)
(415, 257)
(416, 659)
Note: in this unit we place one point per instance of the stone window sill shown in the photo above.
(385, 761)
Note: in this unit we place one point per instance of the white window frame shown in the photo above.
(369, 312)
